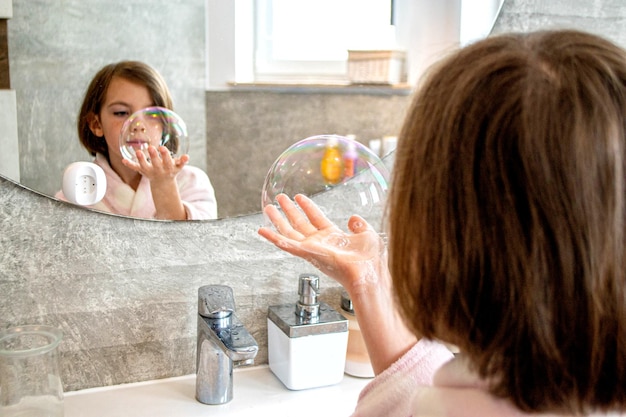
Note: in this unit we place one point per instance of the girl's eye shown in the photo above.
(121, 113)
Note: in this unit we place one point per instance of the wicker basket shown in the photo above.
(376, 67)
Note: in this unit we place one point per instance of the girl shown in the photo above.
(507, 228)
(157, 186)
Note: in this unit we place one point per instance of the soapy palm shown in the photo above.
(353, 259)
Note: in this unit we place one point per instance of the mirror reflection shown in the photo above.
(51, 70)
(148, 179)
(235, 134)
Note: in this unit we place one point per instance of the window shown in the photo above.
(306, 41)
(309, 40)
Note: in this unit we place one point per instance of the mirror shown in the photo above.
(55, 49)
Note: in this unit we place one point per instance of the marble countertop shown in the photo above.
(256, 392)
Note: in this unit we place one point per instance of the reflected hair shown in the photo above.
(133, 71)
(507, 215)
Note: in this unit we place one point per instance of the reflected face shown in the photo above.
(143, 130)
(123, 98)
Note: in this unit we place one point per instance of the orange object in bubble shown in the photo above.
(331, 166)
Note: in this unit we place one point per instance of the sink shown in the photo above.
(256, 391)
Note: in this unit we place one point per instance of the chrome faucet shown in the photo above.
(223, 343)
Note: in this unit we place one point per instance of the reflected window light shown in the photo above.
(478, 18)
(310, 38)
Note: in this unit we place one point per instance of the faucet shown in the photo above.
(223, 343)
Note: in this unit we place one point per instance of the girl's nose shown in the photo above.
(137, 127)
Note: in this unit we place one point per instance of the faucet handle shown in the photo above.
(216, 306)
(215, 301)
(240, 344)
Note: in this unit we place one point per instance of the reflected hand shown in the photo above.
(161, 169)
(356, 260)
(160, 166)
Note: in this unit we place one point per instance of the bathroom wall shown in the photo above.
(124, 291)
(247, 129)
(603, 17)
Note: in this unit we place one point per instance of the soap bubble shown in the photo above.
(156, 126)
(343, 177)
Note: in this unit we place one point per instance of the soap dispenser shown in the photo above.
(307, 340)
(357, 359)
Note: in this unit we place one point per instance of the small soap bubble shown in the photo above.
(342, 176)
(156, 126)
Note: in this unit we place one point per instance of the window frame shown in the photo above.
(426, 30)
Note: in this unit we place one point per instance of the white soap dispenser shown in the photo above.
(307, 340)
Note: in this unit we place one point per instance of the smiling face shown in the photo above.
(123, 98)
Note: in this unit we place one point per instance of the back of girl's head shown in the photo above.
(134, 71)
(507, 216)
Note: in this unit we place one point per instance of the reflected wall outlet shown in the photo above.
(84, 183)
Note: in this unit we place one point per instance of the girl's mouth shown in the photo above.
(137, 144)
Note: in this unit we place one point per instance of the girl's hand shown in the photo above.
(357, 260)
(160, 167)
(161, 170)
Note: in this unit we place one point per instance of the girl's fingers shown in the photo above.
(165, 158)
(143, 161)
(131, 164)
(169, 163)
(357, 224)
(313, 213)
(282, 242)
(282, 225)
(296, 217)
(270, 235)
(181, 161)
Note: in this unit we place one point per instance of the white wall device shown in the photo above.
(84, 183)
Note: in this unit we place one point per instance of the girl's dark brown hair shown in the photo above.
(507, 216)
(133, 71)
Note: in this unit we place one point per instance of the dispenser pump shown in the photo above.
(307, 306)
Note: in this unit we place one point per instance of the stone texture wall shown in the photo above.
(603, 17)
(124, 291)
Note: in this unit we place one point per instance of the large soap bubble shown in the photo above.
(344, 177)
(156, 126)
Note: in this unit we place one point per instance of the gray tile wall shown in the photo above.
(124, 291)
(248, 130)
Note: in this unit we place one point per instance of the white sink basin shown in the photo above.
(256, 392)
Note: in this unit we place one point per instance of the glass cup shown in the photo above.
(30, 382)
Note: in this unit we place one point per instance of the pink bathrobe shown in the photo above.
(429, 382)
(194, 186)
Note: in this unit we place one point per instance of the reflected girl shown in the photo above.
(156, 185)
